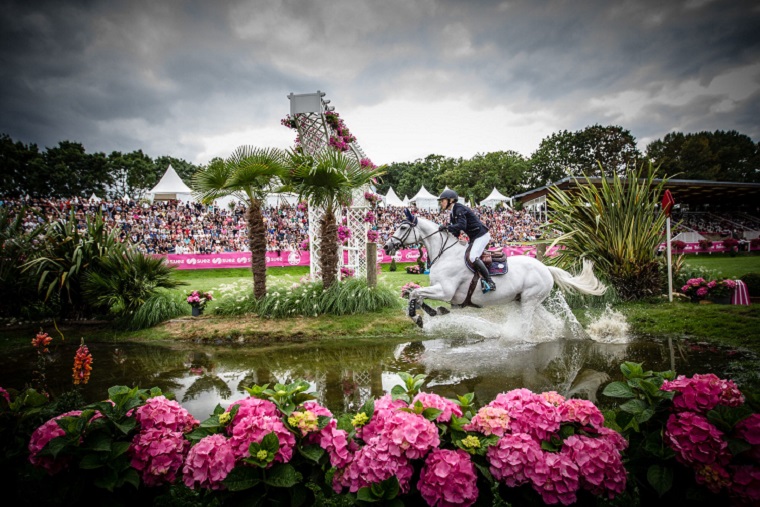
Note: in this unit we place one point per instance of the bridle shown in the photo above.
(397, 243)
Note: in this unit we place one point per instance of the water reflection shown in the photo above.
(345, 375)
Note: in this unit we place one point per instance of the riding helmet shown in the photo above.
(448, 194)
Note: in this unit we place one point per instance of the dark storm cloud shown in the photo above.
(167, 77)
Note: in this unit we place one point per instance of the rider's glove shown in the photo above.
(443, 227)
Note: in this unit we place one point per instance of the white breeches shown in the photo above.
(478, 245)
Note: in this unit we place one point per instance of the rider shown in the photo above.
(464, 219)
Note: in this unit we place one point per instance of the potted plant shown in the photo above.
(678, 245)
(696, 289)
(197, 301)
(721, 291)
(731, 245)
(705, 244)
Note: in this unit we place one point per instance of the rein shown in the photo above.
(413, 227)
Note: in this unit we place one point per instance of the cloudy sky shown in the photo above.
(195, 79)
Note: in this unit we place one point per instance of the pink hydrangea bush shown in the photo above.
(373, 464)
(582, 412)
(529, 413)
(160, 412)
(695, 440)
(248, 429)
(158, 454)
(512, 456)
(448, 479)
(446, 406)
(40, 438)
(208, 463)
(702, 393)
(490, 421)
(555, 477)
(599, 462)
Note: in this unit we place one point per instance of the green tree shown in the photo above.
(717, 156)
(185, 169)
(327, 181)
(248, 174)
(475, 178)
(19, 164)
(131, 173)
(586, 152)
(69, 171)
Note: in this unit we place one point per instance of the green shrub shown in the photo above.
(347, 297)
(393, 265)
(159, 307)
(753, 283)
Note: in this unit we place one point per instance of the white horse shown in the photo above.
(527, 281)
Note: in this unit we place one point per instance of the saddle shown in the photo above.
(496, 262)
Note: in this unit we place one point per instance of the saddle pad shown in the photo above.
(497, 267)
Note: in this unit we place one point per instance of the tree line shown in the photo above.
(68, 170)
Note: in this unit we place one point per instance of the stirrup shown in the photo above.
(487, 287)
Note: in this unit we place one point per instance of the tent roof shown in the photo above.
(405, 200)
(391, 199)
(423, 194)
(495, 195)
(94, 198)
(171, 183)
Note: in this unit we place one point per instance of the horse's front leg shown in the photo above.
(417, 300)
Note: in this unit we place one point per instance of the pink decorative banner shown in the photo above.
(243, 259)
(694, 248)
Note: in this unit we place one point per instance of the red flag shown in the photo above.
(667, 203)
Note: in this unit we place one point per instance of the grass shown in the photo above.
(726, 266)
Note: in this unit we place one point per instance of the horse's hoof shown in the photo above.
(442, 310)
(418, 321)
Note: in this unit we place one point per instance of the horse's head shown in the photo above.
(405, 234)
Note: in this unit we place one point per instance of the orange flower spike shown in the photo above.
(82, 365)
(41, 342)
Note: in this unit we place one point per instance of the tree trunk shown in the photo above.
(257, 242)
(328, 255)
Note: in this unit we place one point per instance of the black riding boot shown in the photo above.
(483, 270)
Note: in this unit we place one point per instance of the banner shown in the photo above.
(243, 259)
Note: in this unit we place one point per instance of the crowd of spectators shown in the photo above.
(714, 224)
(176, 227)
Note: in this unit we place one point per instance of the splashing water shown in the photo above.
(609, 327)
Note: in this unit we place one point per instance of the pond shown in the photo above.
(345, 373)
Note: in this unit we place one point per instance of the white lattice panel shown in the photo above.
(314, 134)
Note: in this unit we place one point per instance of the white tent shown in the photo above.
(494, 198)
(94, 198)
(274, 200)
(391, 199)
(405, 200)
(169, 187)
(425, 200)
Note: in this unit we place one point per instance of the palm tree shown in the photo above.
(248, 174)
(327, 180)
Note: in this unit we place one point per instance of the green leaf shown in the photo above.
(119, 448)
(126, 426)
(548, 446)
(131, 477)
(618, 390)
(242, 478)
(660, 478)
(282, 475)
(431, 414)
(634, 406)
(344, 423)
(323, 421)
(649, 387)
(311, 452)
(398, 391)
(211, 422)
(738, 446)
(91, 462)
(270, 443)
(485, 472)
(368, 408)
(644, 416)
(365, 494)
(98, 442)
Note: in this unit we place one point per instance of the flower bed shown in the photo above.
(412, 446)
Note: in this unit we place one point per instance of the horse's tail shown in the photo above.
(585, 283)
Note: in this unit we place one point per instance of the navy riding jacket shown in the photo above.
(464, 219)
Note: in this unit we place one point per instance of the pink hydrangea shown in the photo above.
(40, 438)
(447, 407)
(250, 428)
(746, 483)
(553, 397)
(407, 434)
(695, 440)
(714, 477)
(749, 429)
(529, 413)
(512, 456)
(255, 407)
(372, 465)
(555, 477)
(448, 479)
(490, 421)
(4, 394)
(208, 463)
(599, 462)
(159, 412)
(581, 411)
(158, 454)
(702, 393)
(315, 408)
(336, 443)
(384, 406)
(615, 439)
(702, 291)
